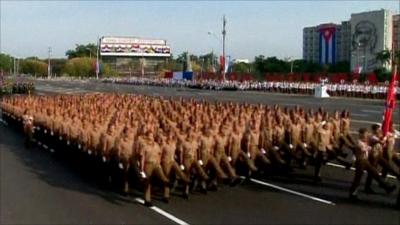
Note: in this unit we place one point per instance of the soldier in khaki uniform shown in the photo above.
(252, 147)
(362, 151)
(124, 148)
(169, 164)
(150, 159)
(323, 146)
(106, 157)
(220, 148)
(188, 147)
(235, 150)
(377, 142)
(389, 153)
(207, 159)
(28, 127)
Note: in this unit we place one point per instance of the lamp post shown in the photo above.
(48, 64)
(223, 45)
(90, 52)
(221, 42)
(97, 59)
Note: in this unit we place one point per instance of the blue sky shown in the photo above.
(270, 28)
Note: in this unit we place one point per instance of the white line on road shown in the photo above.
(292, 192)
(365, 121)
(352, 168)
(359, 114)
(373, 111)
(163, 213)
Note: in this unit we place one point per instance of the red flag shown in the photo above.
(390, 103)
(222, 62)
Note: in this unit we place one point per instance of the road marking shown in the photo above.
(371, 122)
(290, 104)
(352, 168)
(359, 114)
(163, 213)
(365, 121)
(291, 191)
(373, 111)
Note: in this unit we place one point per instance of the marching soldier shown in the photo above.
(188, 148)
(377, 142)
(323, 146)
(221, 144)
(361, 153)
(28, 127)
(169, 163)
(207, 159)
(150, 159)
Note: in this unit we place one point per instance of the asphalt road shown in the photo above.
(38, 188)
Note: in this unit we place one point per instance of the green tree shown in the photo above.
(57, 66)
(107, 71)
(241, 67)
(383, 56)
(6, 62)
(339, 67)
(80, 67)
(88, 50)
(34, 67)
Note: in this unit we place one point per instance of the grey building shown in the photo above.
(396, 32)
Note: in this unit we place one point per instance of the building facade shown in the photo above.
(357, 40)
(396, 32)
(326, 43)
(371, 33)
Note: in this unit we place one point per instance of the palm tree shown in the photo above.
(384, 57)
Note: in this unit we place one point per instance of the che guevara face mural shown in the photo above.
(364, 36)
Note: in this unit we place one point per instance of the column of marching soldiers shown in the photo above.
(196, 144)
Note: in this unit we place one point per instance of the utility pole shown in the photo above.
(97, 59)
(15, 67)
(48, 64)
(11, 62)
(223, 46)
(291, 67)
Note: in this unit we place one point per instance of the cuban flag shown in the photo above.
(327, 45)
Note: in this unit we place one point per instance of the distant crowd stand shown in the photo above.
(359, 90)
(16, 87)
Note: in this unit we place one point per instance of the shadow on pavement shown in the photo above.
(54, 171)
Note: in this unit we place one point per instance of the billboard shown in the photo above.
(131, 46)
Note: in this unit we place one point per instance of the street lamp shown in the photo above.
(49, 65)
(97, 58)
(290, 58)
(90, 51)
(221, 42)
(214, 36)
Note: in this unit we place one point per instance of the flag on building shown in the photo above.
(327, 45)
(390, 103)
